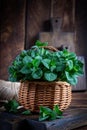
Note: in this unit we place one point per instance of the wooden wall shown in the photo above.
(39, 14)
(22, 21)
(12, 32)
(81, 29)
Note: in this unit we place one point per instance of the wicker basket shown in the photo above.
(34, 94)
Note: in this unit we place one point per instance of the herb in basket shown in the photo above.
(40, 64)
(46, 76)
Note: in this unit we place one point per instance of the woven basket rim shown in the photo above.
(45, 82)
(33, 94)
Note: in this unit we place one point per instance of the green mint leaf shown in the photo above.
(50, 76)
(37, 73)
(72, 79)
(54, 66)
(11, 106)
(25, 70)
(36, 62)
(57, 110)
(70, 64)
(43, 118)
(27, 112)
(46, 63)
(22, 54)
(49, 114)
(27, 60)
(39, 43)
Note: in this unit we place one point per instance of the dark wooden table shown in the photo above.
(74, 119)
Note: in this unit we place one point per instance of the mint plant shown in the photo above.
(41, 64)
(45, 113)
(49, 114)
(11, 106)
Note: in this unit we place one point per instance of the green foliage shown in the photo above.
(41, 64)
(26, 112)
(49, 114)
(44, 114)
(11, 106)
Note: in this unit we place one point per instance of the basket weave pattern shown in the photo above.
(34, 94)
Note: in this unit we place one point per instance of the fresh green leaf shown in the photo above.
(50, 76)
(23, 53)
(43, 118)
(37, 74)
(25, 70)
(27, 112)
(39, 43)
(45, 113)
(60, 66)
(54, 66)
(36, 62)
(11, 106)
(46, 63)
(49, 114)
(71, 78)
(57, 110)
(27, 60)
(70, 64)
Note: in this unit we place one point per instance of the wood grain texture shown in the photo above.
(72, 119)
(68, 16)
(81, 29)
(12, 31)
(79, 100)
(57, 37)
(58, 8)
(81, 128)
(69, 122)
(38, 13)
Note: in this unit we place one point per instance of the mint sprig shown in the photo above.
(44, 114)
(49, 114)
(11, 106)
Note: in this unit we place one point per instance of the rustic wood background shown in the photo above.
(22, 20)
(12, 32)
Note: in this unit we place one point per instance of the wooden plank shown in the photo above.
(81, 128)
(76, 119)
(65, 9)
(9, 121)
(42, 9)
(58, 8)
(73, 118)
(37, 19)
(79, 100)
(69, 16)
(81, 27)
(57, 37)
(12, 31)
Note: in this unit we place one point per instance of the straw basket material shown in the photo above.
(34, 94)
